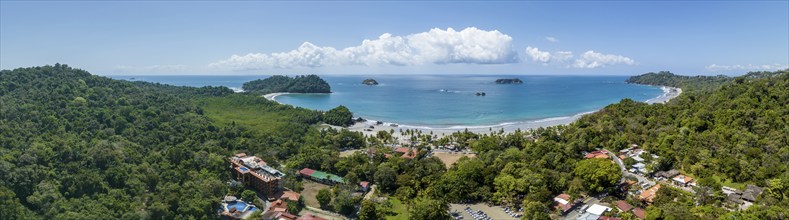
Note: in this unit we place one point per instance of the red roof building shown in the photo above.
(288, 195)
(563, 202)
(623, 206)
(306, 171)
(309, 216)
(640, 213)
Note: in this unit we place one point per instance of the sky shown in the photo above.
(441, 37)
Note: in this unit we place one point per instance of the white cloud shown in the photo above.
(749, 67)
(537, 55)
(591, 59)
(437, 46)
(547, 57)
(552, 39)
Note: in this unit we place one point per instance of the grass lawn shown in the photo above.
(310, 191)
(399, 208)
(729, 183)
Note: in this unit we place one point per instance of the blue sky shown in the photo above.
(544, 38)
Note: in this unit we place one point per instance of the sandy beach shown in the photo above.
(364, 127)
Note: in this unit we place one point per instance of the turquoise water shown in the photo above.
(450, 101)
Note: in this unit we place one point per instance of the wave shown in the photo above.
(537, 122)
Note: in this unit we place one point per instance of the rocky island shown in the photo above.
(370, 82)
(509, 81)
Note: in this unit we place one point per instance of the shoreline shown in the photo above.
(508, 127)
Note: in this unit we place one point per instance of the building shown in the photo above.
(683, 180)
(648, 195)
(321, 177)
(406, 152)
(623, 206)
(563, 203)
(750, 194)
(365, 186)
(588, 216)
(667, 174)
(288, 195)
(640, 213)
(597, 209)
(253, 172)
(597, 154)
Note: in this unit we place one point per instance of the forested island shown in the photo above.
(298, 84)
(370, 82)
(78, 146)
(509, 81)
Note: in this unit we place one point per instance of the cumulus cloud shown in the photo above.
(591, 59)
(546, 57)
(437, 46)
(552, 39)
(537, 55)
(749, 67)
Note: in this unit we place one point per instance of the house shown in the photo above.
(365, 186)
(607, 218)
(278, 216)
(751, 193)
(598, 209)
(683, 180)
(640, 213)
(278, 206)
(309, 216)
(288, 195)
(597, 154)
(623, 206)
(640, 167)
(253, 172)
(588, 216)
(648, 195)
(667, 174)
(407, 152)
(563, 203)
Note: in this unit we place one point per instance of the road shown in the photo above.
(625, 173)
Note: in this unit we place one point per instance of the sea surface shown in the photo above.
(450, 101)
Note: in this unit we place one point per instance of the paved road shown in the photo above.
(623, 169)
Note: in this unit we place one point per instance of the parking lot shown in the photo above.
(491, 212)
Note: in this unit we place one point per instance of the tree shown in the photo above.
(339, 116)
(385, 177)
(598, 174)
(368, 211)
(249, 195)
(296, 206)
(426, 208)
(535, 210)
(324, 198)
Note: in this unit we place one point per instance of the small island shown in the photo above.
(370, 82)
(509, 81)
(298, 84)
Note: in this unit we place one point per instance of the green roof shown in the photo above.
(327, 176)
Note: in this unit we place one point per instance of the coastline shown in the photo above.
(273, 96)
(364, 127)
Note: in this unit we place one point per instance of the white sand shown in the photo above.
(668, 94)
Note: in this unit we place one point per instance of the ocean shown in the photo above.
(450, 101)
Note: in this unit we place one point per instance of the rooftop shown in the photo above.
(256, 165)
(649, 194)
(597, 209)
